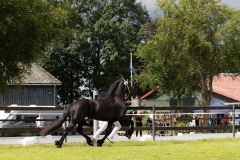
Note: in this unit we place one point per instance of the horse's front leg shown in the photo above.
(60, 142)
(108, 131)
(80, 131)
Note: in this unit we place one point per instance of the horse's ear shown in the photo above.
(125, 77)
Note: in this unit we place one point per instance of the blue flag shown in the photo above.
(133, 70)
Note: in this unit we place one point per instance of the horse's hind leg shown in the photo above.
(80, 131)
(69, 128)
(108, 131)
(130, 130)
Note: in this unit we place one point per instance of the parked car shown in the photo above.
(28, 119)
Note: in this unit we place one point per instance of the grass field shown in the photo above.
(211, 149)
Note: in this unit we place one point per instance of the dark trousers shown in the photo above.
(139, 124)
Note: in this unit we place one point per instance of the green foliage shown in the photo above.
(229, 36)
(26, 26)
(195, 41)
(104, 34)
(181, 123)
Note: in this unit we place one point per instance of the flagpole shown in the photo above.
(131, 71)
(131, 68)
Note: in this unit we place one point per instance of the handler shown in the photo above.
(103, 126)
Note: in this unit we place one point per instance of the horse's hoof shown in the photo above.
(99, 143)
(57, 144)
(90, 143)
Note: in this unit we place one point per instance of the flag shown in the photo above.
(133, 70)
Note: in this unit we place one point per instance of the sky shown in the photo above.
(151, 5)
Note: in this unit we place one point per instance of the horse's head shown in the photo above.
(123, 89)
(120, 88)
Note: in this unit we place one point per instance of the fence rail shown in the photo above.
(24, 108)
(125, 128)
(187, 108)
(173, 111)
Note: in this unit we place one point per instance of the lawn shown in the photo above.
(211, 149)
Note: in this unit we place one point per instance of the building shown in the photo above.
(226, 89)
(37, 87)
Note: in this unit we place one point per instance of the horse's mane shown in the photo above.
(111, 88)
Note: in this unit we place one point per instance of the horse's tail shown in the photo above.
(55, 125)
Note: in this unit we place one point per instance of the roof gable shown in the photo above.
(38, 76)
(228, 86)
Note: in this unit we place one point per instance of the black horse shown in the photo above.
(111, 109)
(126, 121)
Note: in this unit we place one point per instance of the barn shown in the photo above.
(37, 87)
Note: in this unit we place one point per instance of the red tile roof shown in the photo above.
(227, 86)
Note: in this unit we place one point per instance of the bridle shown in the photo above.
(125, 82)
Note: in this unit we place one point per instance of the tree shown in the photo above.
(195, 41)
(229, 36)
(25, 28)
(105, 32)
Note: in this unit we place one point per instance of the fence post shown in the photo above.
(153, 125)
(65, 123)
(233, 120)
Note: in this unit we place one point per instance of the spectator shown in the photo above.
(138, 119)
(201, 120)
(149, 123)
(103, 125)
(224, 121)
(167, 120)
